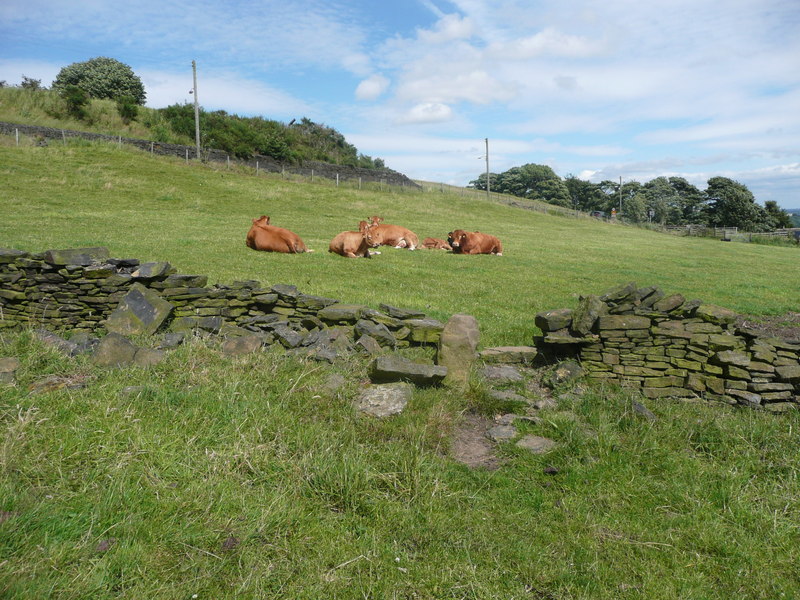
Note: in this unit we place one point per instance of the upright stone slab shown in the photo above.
(458, 346)
(585, 316)
(142, 310)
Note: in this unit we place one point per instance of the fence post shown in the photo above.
(228, 157)
(151, 147)
(119, 142)
(256, 168)
(17, 132)
(63, 137)
(283, 171)
(359, 183)
(337, 180)
(187, 156)
(312, 175)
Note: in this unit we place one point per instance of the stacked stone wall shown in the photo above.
(666, 346)
(85, 289)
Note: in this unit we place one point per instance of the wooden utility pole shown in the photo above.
(196, 110)
(488, 185)
(620, 194)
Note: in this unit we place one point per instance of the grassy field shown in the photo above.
(196, 217)
(250, 478)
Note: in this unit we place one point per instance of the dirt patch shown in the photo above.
(471, 446)
(786, 326)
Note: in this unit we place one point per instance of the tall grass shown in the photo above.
(47, 109)
(211, 481)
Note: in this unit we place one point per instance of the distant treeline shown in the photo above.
(663, 200)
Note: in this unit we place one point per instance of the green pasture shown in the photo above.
(252, 478)
(196, 217)
(249, 478)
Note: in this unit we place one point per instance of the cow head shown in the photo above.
(375, 219)
(262, 221)
(363, 226)
(373, 237)
(456, 238)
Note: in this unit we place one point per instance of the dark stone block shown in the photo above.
(401, 313)
(142, 310)
(387, 369)
(76, 256)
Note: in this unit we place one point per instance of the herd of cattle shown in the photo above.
(370, 234)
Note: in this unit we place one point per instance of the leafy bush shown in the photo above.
(102, 77)
(76, 100)
(127, 108)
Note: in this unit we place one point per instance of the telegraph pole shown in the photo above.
(488, 191)
(196, 110)
(620, 194)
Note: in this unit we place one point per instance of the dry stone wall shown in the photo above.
(666, 346)
(85, 289)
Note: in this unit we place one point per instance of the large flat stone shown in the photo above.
(76, 256)
(141, 311)
(622, 322)
(387, 369)
(384, 400)
(509, 354)
(114, 350)
(553, 320)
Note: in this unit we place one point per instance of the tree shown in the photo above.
(102, 77)
(731, 204)
(663, 200)
(29, 83)
(585, 195)
(76, 100)
(779, 218)
(691, 202)
(532, 181)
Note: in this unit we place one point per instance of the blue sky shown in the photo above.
(691, 88)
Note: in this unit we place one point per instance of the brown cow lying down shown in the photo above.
(391, 235)
(266, 237)
(353, 244)
(474, 242)
(435, 244)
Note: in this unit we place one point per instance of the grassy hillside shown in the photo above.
(197, 217)
(251, 477)
(241, 137)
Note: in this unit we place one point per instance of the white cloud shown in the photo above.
(427, 112)
(221, 91)
(548, 42)
(448, 28)
(372, 87)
